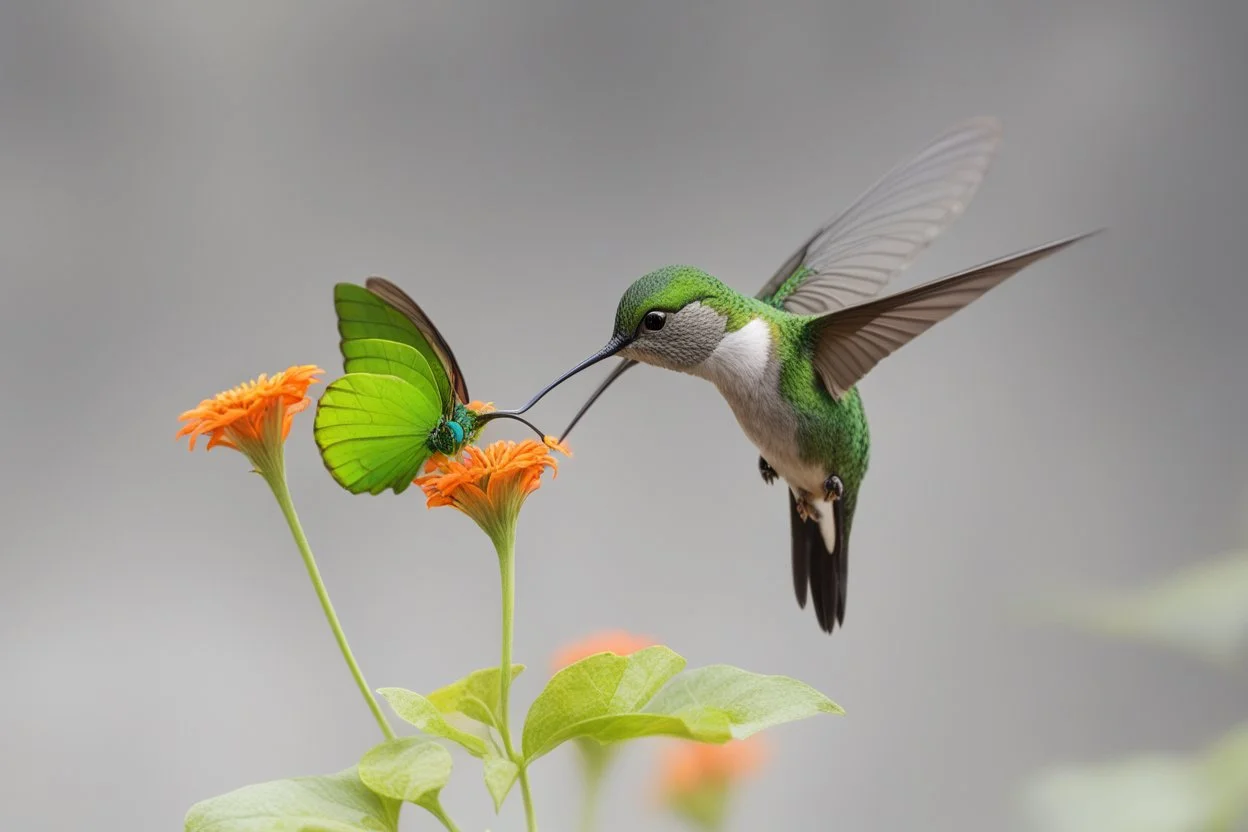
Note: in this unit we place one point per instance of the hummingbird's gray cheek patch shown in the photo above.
(688, 339)
(696, 331)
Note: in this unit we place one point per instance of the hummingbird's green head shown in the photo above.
(669, 318)
(674, 317)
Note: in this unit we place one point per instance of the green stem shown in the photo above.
(505, 543)
(277, 481)
(438, 812)
(530, 819)
(595, 768)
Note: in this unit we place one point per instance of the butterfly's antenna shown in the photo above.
(501, 414)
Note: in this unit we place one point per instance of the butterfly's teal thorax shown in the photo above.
(450, 436)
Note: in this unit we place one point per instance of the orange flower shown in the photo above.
(250, 416)
(692, 767)
(618, 642)
(488, 484)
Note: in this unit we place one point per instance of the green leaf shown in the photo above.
(1202, 610)
(746, 702)
(1148, 793)
(332, 803)
(363, 315)
(373, 432)
(419, 711)
(1226, 768)
(604, 698)
(1153, 793)
(500, 775)
(413, 769)
(580, 699)
(390, 358)
(475, 696)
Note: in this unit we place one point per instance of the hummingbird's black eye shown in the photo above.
(653, 321)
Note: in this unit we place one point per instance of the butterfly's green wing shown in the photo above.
(410, 309)
(373, 431)
(362, 315)
(390, 358)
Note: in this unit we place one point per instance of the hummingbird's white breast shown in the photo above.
(746, 371)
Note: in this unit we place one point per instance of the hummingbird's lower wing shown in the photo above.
(616, 373)
(825, 572)
(850, 342)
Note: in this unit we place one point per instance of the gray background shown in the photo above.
(183, 182)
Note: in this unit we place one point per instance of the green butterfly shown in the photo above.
(403, 397)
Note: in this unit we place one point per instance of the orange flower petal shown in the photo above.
(555, 445)
(239, 414)
(483, 481)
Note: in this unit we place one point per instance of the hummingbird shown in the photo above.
(788, 359)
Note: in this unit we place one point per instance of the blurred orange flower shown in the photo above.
(255, 416)
(620, 642)
(488, 484)
(691, 767)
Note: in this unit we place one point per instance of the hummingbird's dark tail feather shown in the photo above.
(816, 567)
(822, 579)
(801, 552)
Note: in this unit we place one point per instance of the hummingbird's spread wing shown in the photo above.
(852, 257)
(400, 300)
(850, 342)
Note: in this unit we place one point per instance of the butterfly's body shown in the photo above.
(403, 398)
(787, 360)
(455, 432)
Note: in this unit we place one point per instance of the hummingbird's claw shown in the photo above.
(806, 510)
(833, 488)
(769, 473)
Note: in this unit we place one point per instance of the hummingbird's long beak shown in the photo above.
(613, 346)
(624, 364)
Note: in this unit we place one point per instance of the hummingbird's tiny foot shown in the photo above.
(806, 510)
(833, 488)
(769, 473)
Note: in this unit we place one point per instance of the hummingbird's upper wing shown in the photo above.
(851, 258)
(848, 343)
